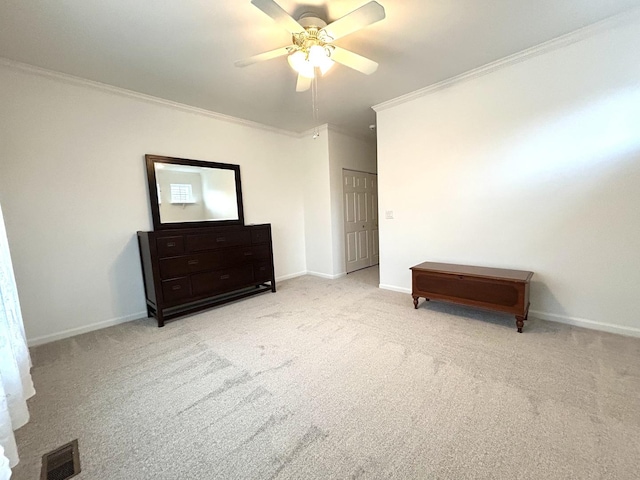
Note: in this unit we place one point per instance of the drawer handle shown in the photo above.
(247, 254)
(171, 244)
(224, 277)
(221, 239)
(192, 262)
(176, 287)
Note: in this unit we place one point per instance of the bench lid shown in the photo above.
(475, 271)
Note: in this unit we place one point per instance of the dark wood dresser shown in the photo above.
(498, 289)
(191, 269)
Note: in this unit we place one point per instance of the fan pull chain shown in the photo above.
(314, 105)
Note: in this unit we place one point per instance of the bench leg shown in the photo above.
(415, 301)
(521, 318)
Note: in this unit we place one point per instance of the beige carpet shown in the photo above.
(338, 379)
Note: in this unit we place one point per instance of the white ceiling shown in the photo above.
(184, 50)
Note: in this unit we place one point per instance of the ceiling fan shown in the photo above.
(312, 48)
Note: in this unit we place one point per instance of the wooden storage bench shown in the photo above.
(497, 289)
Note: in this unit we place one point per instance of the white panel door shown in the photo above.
(360, 220)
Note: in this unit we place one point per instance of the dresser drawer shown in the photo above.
(176, 289)
(222, 280)
(170, 246)
(247, 254)
(260, 235)
(262, 271)
(183, 265)
(210, 241)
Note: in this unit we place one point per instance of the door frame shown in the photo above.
(372, 219)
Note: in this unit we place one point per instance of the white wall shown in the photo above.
(322, 160)
(535, 166)
(64, 147)
(313, 159)
(354, 154)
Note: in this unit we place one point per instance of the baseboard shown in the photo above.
(71, 332)
(583, 322)
(554, 317)
(33, 342)
(326, 275)
(290, 275)
(394, 288)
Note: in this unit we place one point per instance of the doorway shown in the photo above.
(360, 194)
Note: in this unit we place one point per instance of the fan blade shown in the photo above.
(353, 60)
(303, 84)
(279, 52)
(277, 13)
(367, 14)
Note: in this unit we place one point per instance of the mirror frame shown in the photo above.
(151, 160)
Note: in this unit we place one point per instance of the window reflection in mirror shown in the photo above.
(191, 194)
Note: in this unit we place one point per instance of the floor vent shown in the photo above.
(61, 463)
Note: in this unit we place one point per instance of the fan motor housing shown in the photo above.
(310, 20)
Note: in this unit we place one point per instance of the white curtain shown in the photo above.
(15, 364)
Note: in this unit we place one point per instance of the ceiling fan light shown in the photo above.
(317, 55)
(320, 57)
(307, 70)
(326, 62)
(298, 61)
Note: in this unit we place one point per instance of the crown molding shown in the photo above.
(329, 127)
(324, 128)
(549, 46)
(352, 134)
(123, 92)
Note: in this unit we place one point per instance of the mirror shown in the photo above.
(192, 193)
